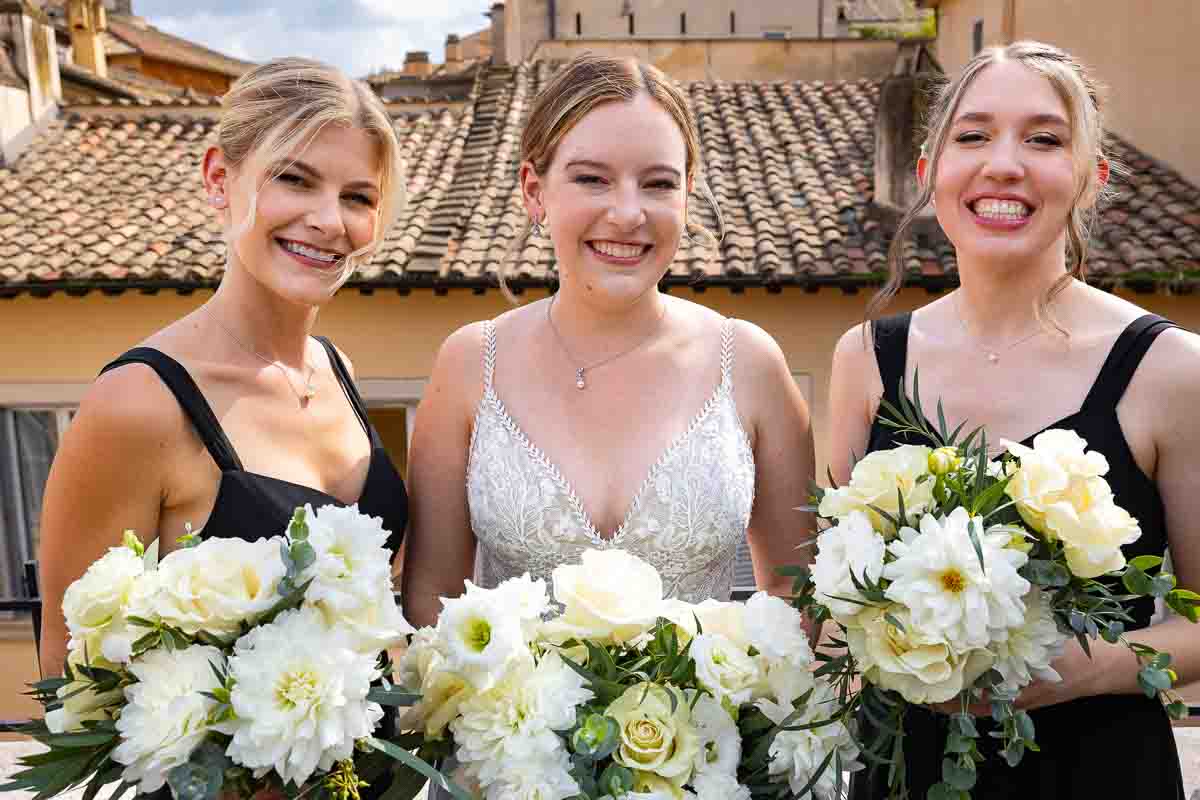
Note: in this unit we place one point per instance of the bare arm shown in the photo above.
(440, 548)
(783, 458)
(854, 391)
(108, 476)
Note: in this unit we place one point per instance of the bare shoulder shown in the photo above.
(344, 358)
(855, 349)
(757, 351)
(1169, 369)
(131, 404)
(457, 379)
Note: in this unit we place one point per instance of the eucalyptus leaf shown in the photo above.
(413, 762)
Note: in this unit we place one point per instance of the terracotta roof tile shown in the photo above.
(154, 43)
(101, 200)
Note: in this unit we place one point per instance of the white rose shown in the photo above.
(166, 715)
(80, 700)
(776, 629)
(96, 604)
(217, 585)
(852, 545)
(725, 669)
(921, 668)
(351, 576)
(724, 619)
(610, 596)
(657, 733)
(877, 480)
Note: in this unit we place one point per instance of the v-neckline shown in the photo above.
(491, 397)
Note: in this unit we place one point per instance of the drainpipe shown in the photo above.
(553, 20)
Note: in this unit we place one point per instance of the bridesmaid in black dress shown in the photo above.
(231, 417)
(1014, 169)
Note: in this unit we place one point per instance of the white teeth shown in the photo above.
(618, 250)
(1001, 209)
(319, 255)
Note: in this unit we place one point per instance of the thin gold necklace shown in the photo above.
(581, 371)
(310, 389)
(991, 354)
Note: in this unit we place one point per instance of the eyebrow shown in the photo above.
(1036, 119)
(583, 162)
(284, 164)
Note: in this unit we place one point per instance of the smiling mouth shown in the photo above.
(990, 208)
(309, 252)
(624, 251)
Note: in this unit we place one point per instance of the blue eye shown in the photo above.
(362, 199)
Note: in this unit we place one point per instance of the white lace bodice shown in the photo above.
(687, 518)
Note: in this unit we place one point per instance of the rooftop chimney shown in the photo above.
(88, 20)
(499, 31)
(454, 51)
(416, 62)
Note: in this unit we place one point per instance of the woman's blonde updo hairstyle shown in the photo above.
(1075, 87)
(281, 106)
(588, 81)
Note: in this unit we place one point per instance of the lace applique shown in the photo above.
(687, 518)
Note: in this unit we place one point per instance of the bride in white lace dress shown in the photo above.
(611, 415)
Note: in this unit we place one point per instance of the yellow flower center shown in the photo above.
(953, 581)
(296, 688)
(479, 635)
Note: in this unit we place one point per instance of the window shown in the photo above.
(683, 23)
(29, 438)
(578, 24)
(732, 22)
(977, 37)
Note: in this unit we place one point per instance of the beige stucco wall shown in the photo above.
(799, 18)
(1145, 53)
(744, 60)
(64, 339)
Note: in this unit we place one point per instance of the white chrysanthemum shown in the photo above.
(351, 577)
(481, 635)
(798, 754)
(776, 629)
(300, 696)
(1030, 648)
(906, 659)
(719, 786)
(852, 545)
(215, 586)
(879, 480)
(544, 778)
(517, 718)
(720, 742)
(937, 575)
(725, 669)
(422, 669)
(166, 714)
(80, 701)
(96, 604)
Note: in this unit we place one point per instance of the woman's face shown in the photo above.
(615, 195)
(321, 207)
(1006, 179)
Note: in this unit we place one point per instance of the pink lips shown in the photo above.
(619, 260)
(306, 261)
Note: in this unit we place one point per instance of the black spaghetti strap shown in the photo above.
(343, 376)
(1123, 361)
(190, 398)
(890, 335)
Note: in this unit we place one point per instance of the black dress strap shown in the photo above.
(343, 376)
(1123, 361)
(189, 397)
(890, 335)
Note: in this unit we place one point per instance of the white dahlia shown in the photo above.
(1030, 648)
(546, 777)
(166, 713)
(937, 575)
(851, 546)
(300, 695)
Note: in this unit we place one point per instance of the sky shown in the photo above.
(360, 36)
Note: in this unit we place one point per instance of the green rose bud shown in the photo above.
(130, 540)
(944, 460)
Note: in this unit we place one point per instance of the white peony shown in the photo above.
(80, 700)
(1060, 491)
(422, 669)
(921, 667)
(776, 629)
(937, 575)
(725, 669)
(1030, 648)
(720, 749)
(351, 576)
(878, 480)
(216, 586)
(96, 604)
(516, 719)
(797, 755)
(719, 786)
(481, 635)
(166, 715)
(852, 545)
(300, 696)
(610, 595)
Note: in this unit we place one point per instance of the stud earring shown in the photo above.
(538, 227)
(217, 201)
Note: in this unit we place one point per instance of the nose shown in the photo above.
(325, 215)
(627, 211)
(1004, 162)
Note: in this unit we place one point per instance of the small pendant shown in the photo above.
(310, 391)
(993, 358)
(579, 382)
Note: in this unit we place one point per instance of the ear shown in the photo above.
(216, 174)
(531, 191)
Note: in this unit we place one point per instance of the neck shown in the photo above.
(1000, 304)
(260, 320)
(592, 330)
